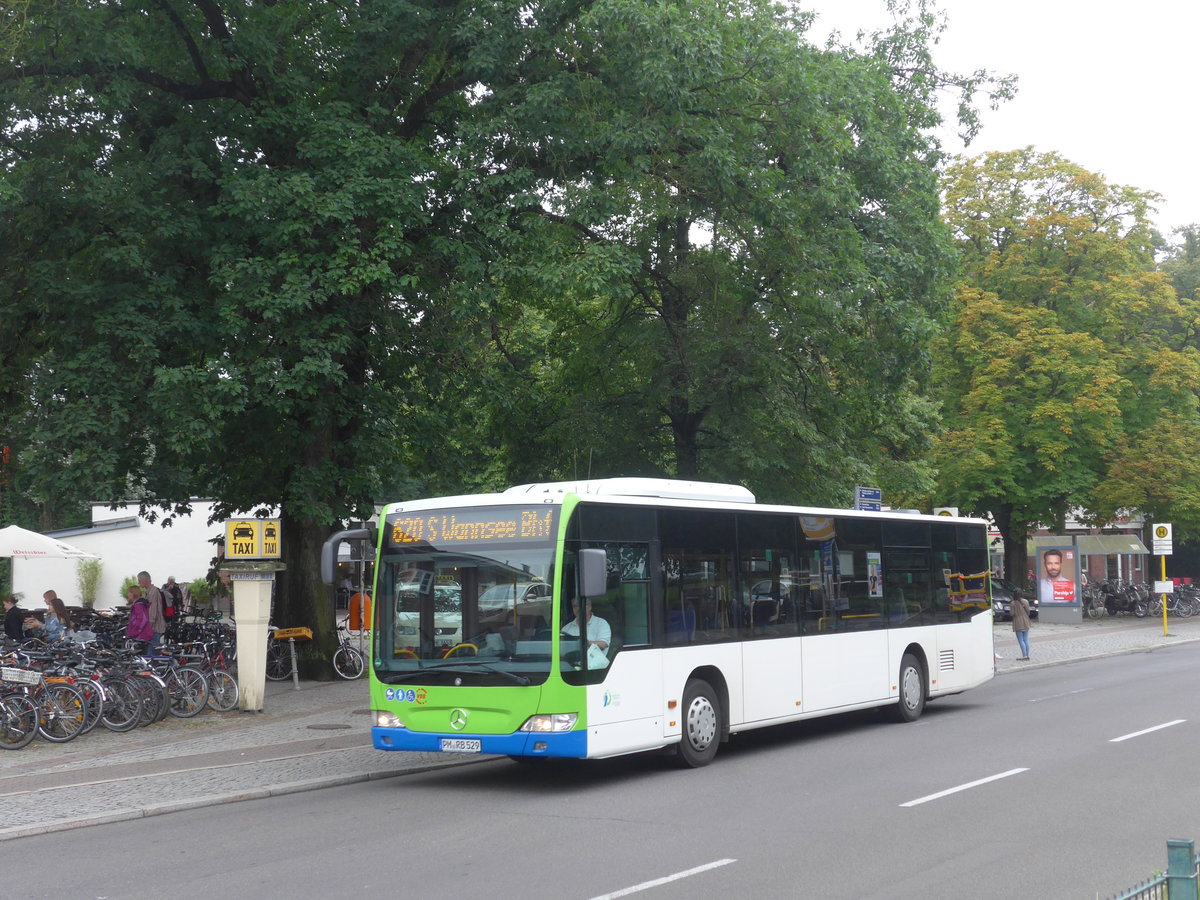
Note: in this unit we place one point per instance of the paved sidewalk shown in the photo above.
(319, 736)
(1056, 644)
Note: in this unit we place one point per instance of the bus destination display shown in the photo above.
(462, 526)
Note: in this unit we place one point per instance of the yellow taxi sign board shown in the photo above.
(252, 539)
(270, 539)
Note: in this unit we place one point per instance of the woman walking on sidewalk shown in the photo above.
(1021, 621)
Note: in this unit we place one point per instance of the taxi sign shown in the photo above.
(252, 539)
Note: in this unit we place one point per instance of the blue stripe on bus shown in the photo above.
(570, 744)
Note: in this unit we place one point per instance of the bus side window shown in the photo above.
(634, 615)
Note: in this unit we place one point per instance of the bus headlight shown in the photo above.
(554, 722)
(385, 719)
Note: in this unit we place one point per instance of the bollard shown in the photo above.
(1181, 869)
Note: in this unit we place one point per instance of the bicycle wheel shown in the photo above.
(124, 705)
(18, 721)
(93, 695)
(222, 691)
(348, 662)
(154, 699)
(61, 712)
(279, 660)
(189, 691)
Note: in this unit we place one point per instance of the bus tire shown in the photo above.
(912, 690)
(701, 724)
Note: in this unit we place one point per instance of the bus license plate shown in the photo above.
(461, 745)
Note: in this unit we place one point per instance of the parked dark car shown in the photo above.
(1002, 595)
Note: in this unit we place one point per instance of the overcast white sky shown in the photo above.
(1109, 85)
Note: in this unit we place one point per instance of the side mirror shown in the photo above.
(329, 550)
(593, 572)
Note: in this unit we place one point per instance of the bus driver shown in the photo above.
(599, 633)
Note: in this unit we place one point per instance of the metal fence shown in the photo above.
(1179, 882)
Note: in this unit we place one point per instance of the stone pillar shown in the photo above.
(252, 584)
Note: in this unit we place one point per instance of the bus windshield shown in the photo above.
(465, 596)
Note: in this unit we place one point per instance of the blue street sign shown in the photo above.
(868, 498)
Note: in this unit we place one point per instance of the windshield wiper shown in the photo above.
(519, 679)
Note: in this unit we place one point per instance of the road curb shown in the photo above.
(278, 790)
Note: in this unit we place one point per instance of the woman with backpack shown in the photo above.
(139, 627)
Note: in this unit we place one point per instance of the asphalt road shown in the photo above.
(1063, 783)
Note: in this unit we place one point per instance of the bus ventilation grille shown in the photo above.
(946, 661)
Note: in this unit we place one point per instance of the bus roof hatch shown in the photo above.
(665, 488)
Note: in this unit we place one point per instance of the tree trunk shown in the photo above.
(1016, 534)
(685, 431)
(301, 599)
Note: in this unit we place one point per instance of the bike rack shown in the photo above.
(291, 635)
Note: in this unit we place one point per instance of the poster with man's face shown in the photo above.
(1058, 575)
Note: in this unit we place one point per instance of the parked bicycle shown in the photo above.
(60, 706)
(279, 657)
(209, 658)
(348, 660)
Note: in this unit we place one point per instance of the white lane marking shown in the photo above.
(645, 885)
(1126, 737)
(963, 787)
(1056, 696)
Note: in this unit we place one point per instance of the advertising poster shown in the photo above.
(874, 573)
(1058, 575)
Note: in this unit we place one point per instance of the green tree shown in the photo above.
(1056, 366)
(296, 254)
(761, 267)
(232, 234)
(1182, 264)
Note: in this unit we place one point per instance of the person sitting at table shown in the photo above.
(58, 620)
(14, 619)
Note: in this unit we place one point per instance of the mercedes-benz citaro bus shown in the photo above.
(705, 614)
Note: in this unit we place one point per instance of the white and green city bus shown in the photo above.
(710, 614)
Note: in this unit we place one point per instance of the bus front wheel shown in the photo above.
(701, 724)
(912, 689)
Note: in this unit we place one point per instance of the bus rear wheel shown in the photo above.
(912, 690)
(701, 724)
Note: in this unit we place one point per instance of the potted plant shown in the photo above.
(87, 578)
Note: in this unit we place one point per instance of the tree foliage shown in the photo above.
(305, 254)
(1067, 349)
(744, 283)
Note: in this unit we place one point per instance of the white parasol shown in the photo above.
(21, 543)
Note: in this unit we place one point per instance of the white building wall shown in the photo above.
(126, 544)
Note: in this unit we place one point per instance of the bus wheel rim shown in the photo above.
(912, 688)
(701, 723)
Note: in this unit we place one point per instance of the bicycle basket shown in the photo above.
(19, 676)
